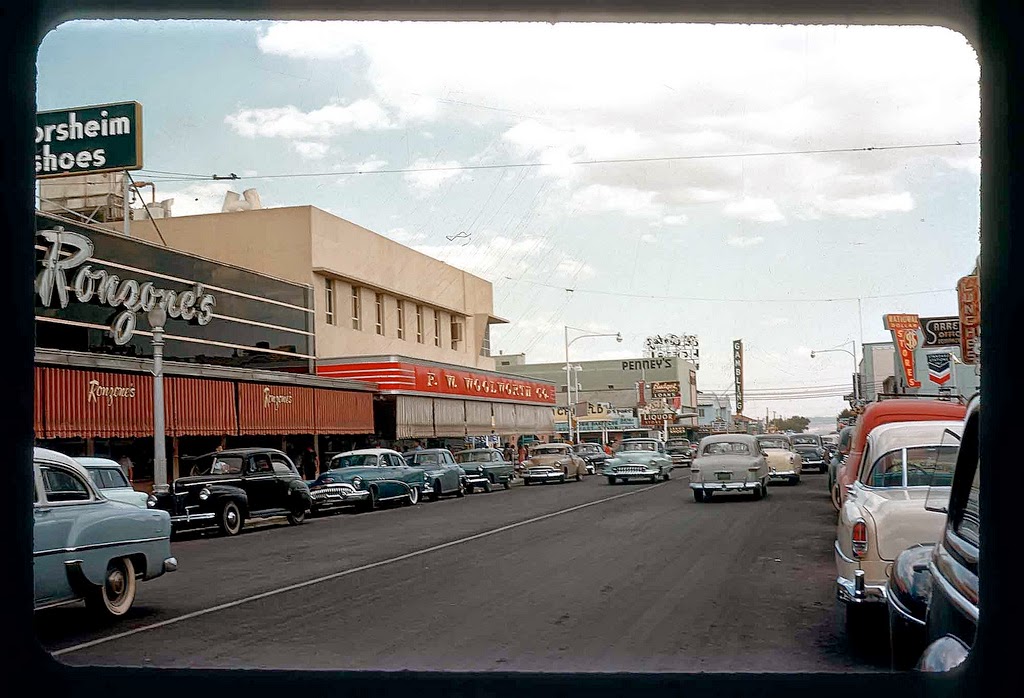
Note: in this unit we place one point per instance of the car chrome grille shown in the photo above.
(630, 469)
(326, 491)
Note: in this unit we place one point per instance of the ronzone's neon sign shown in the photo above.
(105, 288)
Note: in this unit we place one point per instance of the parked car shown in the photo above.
(367, 478)
(783, 462)
(594, 456)
(884, 512)
(638, 459)
(933, 589)
(486, 467)
(442, 473)
(842, 450)
(811, 451)
(729, 463)
(552, 463)
(109, 478)
(885, 412)
(88, 548)
(680, 451)
(232, 486)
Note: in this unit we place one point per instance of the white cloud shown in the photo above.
(675, 220)
(495, 256)
(325, 122)
(867, 206)
(310, 150)
(741, 241)
(757, 210)
(197, 199)
(406, 237)
(775, 322)
(432, 174)
(372, 164)
(601, 198)
(647, 237)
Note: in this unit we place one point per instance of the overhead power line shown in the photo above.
(604, 161)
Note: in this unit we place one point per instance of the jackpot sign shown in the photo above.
(66, 272)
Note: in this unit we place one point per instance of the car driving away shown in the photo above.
(728, 463)
(811, 451)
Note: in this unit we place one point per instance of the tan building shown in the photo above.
(372, 295)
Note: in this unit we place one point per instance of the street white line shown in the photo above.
(343, 573)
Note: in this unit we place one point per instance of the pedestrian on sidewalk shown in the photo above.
(127, 467)
(310, 463)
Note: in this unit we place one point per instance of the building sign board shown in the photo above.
(677, 430)
(737, 371)
(904, 328)
(968, 293)
(665, 389)
(685, 346)
(87, 140)
(941, 331)
(939, 367)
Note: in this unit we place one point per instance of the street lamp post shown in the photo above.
(568, 368)
(157, 318)
(856, 371)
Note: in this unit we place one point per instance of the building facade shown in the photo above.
(713, 409)
(876, 365)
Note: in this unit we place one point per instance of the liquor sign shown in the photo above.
(939, 367)
(968, 294)
(655, 419)
(904, 329)
(737, 370)
(665, 389)
(941, 331)
(87, 140)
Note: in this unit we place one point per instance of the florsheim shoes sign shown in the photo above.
(85, 140)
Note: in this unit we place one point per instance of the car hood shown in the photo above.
(347, 474)
(633, 457)
(549, 460)
(126, 495)
(900, 519)
(191, 481)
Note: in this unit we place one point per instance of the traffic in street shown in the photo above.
(571, 577)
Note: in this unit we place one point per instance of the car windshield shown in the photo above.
(472, 457)
(221, 465)
(548, 451)
(918, 466)
(718, 448)
(421, 459)
(804, 441)
(677, 443)
(773, 443)
(638, 446)
(108, 478)
(587, 448)
(353, 460)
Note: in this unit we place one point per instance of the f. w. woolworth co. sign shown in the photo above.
(68, 251)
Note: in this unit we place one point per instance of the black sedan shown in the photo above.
(593, 455)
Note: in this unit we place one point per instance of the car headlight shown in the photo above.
(357, 481)
(204, 494)
(151, 501)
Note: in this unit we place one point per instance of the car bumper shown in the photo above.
(475, 479)
(858, 591)
(725, 486)
(814, 463)
(337, 499)
(633, 473)
(783, 474)
(190, 517)
(542, 477)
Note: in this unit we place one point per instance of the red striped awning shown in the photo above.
(343, 411)
(96, 403)
(200, 406)
(275, 409)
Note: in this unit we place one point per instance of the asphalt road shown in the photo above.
(574, 577)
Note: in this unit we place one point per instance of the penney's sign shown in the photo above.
(102, 138)
(69, 251)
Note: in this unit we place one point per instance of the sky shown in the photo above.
(636, 178)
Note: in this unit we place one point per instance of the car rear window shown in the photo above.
(723, 447)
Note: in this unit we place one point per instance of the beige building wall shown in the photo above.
(310, 246)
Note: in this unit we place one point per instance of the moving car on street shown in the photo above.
(442, 474)
(729, 463)
(839, 454)
(783, 462)
(594, 456)
(234, 485)
(811, 451)
(109, 478)
(933, 590)
(680, 451)
(552, 463)
(485, 466)
(884, 512)
(638, 459)
(367, 478)
(86, 547)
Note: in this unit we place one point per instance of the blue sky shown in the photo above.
(722, 247)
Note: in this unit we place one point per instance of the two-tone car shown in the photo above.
(232, 486)
(443, 475)
(811, 451)
(594, 456)
(884, 511)
(86, 547)
(366, 479)
(486, 467)
(783, 462)
(555, 462)
(638, 459)
(108, 476)
(729, 463)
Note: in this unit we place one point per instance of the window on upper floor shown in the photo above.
(419, 324)
(456, 333)
(401, 320)
(485, 345)
(379, 305)
(329, 300)
(437, 329)
(356, 310)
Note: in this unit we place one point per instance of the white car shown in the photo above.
(904, 463)
(109, 479)
(728, 463)
(783, 462)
